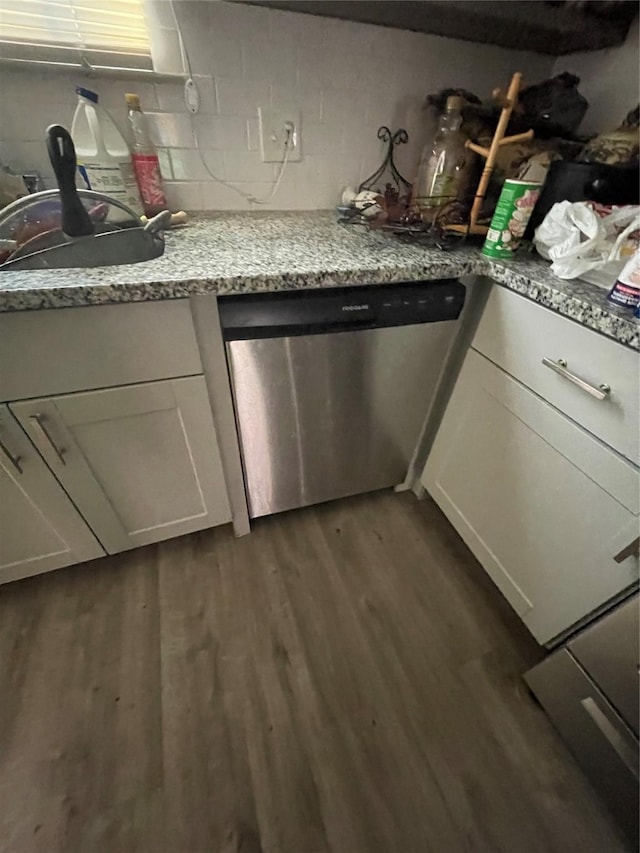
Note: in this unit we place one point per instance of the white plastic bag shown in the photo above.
(576, 239)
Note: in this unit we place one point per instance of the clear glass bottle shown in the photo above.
(442, 172)
(145, 160)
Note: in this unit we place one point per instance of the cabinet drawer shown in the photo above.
(517, 335)
(78, 349)
(608, 650)
(544, 506)
(599, 739)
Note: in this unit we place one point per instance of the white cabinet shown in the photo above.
(522, 338)
(141, 462)
(40, 529)
(542, 504)
(100, 346)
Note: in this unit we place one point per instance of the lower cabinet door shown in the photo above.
(141, 462)
(40, 529)
(543, 505)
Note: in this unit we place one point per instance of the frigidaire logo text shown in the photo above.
(354, 307)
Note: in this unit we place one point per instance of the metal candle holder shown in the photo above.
(400, 137)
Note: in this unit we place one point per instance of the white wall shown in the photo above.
(346, 78)
(609, 81)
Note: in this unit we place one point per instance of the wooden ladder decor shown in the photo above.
(508, 103)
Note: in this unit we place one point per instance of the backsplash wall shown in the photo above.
(346, 79)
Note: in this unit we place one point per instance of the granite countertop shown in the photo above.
(229, 253)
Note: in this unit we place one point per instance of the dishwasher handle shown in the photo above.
(252, 333)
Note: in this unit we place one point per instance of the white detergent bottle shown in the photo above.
(104, 158)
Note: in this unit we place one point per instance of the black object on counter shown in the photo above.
(597, 182)
(75, 220)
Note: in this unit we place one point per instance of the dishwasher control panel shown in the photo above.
(299, 312)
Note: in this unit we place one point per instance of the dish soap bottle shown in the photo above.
(104, 159)
(145, 160)
(442, 172)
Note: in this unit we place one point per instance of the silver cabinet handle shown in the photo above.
(38, 422)
(630, 550)
(601, 392)
(625, 751)
(14, 461)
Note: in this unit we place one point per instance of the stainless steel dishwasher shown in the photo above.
(331, 387)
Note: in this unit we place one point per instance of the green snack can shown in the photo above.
(512, 213)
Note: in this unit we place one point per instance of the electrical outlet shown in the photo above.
(277, 126)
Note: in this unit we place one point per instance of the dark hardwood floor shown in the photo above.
(344, 680)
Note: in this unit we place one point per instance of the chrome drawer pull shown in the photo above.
(13, 460)
(601, 392)
(38, 423)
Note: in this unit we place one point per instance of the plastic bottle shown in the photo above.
(145, 160)
(626, 291)
(104, 158)
(442, 174)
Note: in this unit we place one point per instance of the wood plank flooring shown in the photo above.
(343, 680)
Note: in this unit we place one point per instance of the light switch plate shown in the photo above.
(273, 134)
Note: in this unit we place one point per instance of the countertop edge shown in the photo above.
(104, 294)
(235, 254)
(623, 330)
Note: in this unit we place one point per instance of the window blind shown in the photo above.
(96, 33)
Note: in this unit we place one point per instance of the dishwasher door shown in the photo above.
(328, 415)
